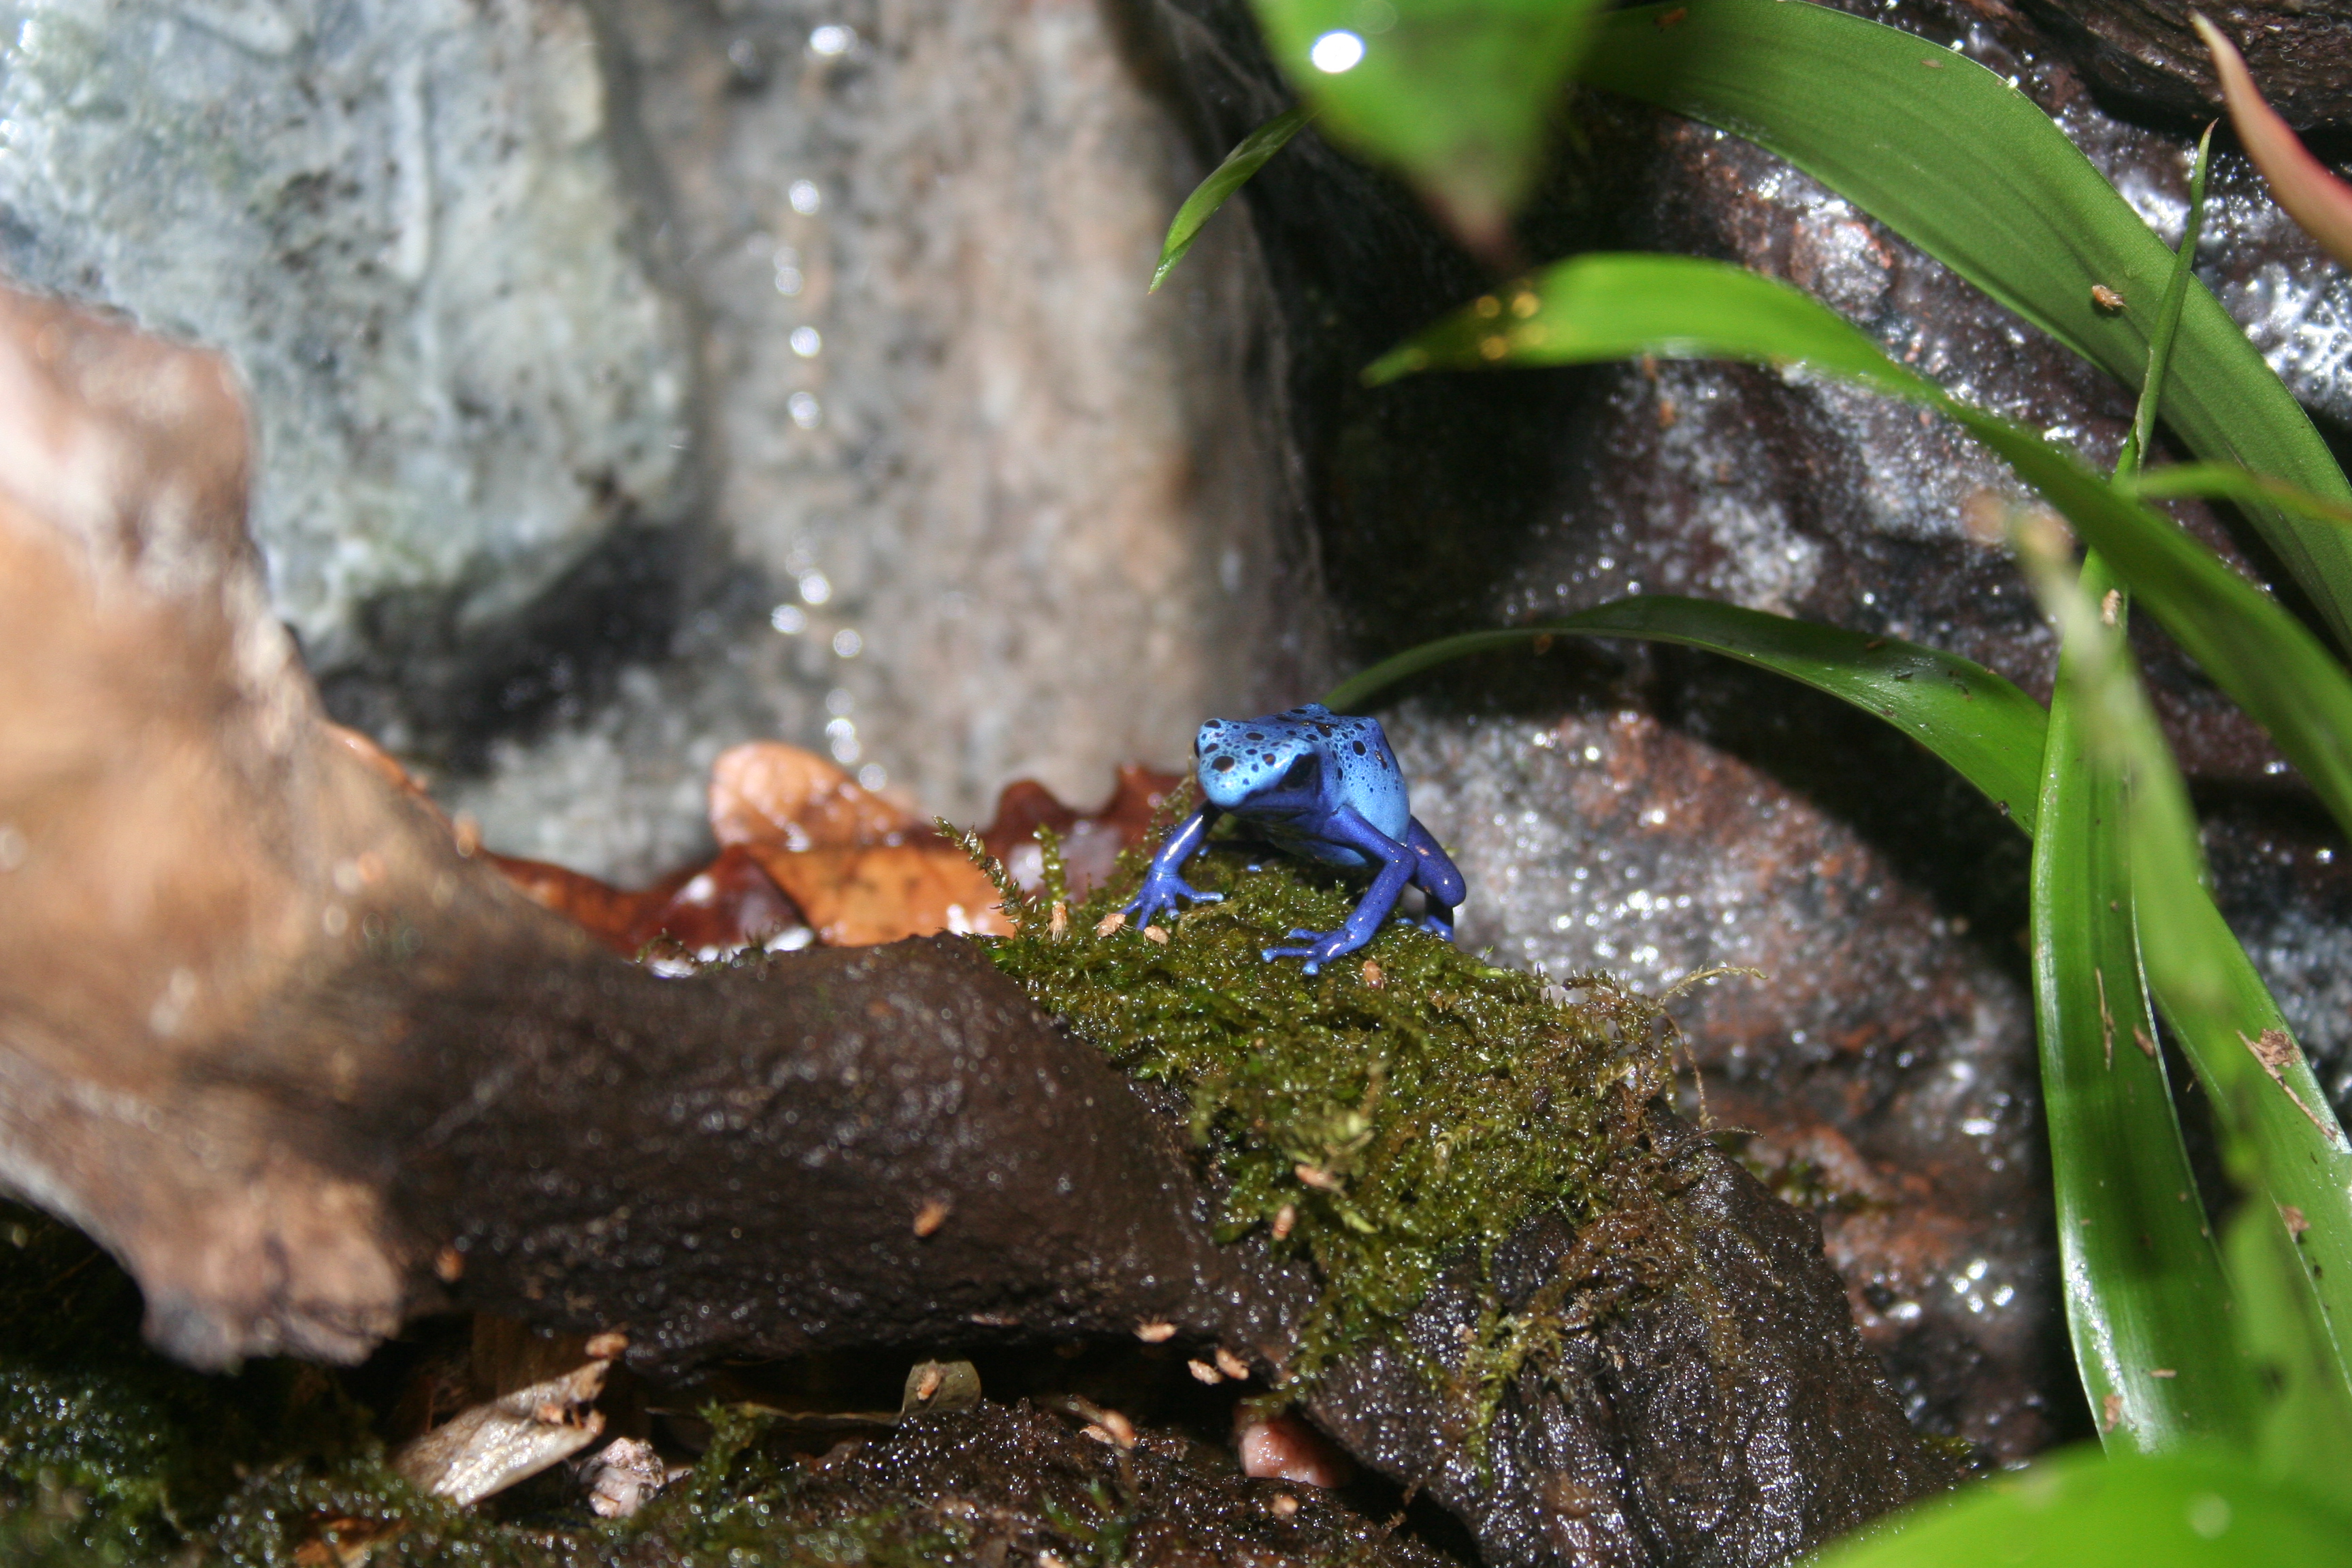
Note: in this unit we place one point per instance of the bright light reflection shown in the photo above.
(1336, 52)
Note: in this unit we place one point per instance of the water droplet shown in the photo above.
(833, 40)
(838, 700)
(872, 775)
(806, 341)
(1335, 52)
(815, 588)
(789, 619)
(2208, 1515)
(846, 749)
(789, 281)
(848, 644)
(806, 197)
(805, 410)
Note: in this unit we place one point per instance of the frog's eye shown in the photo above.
(1303, 773)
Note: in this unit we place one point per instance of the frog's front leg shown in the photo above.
(1397, 864)
(1436, 875)
(1164, 883)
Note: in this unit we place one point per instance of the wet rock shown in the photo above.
(982, 508)
(1002, 1480)
(406, 225)
(2147, 56)
(1696, 1364)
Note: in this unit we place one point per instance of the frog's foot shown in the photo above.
(1323, 946)
(1159, 894)
(1437, 921)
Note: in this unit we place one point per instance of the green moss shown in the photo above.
(1408, 1108)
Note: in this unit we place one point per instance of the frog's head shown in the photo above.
(1246, 763)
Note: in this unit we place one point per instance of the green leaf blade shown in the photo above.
(1454, 94)
(1958, 162)
(1973, 719)
(2200, 1509)
(2147, 1299)
(1245, 159)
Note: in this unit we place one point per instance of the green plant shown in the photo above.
(2253, 1337)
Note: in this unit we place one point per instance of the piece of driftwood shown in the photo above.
(307, 1069)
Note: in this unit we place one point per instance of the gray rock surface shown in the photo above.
(980, 508)
(406, 223)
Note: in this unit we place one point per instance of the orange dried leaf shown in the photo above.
(2300, 183)
(860, 897)
(769, 793)
(605, 910)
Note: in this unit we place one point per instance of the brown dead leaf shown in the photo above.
(1091, 840)
(859, 898)
(728, 905)
(605, 910)
(769, 795)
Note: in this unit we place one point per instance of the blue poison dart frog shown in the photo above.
(1320, 786)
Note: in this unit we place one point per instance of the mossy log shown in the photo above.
(270, 1036)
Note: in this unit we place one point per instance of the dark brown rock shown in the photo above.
(1018, 1481)
(1690, 1389)
(2145, 53)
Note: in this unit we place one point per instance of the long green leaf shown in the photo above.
(2281, 1327)
(1244, 160)
(1973, 719)
(1454, 94)
(2146, 1301)
(2144, 1287)
(2168, 315)
(2075, 1510)
(1958, 162)
(2227, 481)
(1605, 307)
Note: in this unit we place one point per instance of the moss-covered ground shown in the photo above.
(1402, 1112)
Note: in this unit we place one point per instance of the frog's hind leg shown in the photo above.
(1436, 875)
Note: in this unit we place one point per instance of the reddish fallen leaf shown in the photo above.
(805, 846)
(608, 913)
(1091, 840)
(730, 904)
(711, 910)
(769, 793)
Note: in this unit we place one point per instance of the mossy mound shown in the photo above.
(1408, 1107)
